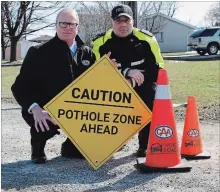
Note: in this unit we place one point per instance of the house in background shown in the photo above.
(26, 44)
(41, 39)
(18, 51)
(23, 46)
(173, 35)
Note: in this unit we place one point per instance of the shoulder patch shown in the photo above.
(146, 32)
(99, 35)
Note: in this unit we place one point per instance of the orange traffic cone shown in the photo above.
(191, 147)
(163, 153)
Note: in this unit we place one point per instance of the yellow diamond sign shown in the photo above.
(99, 112)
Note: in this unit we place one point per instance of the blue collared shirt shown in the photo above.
(73, 48)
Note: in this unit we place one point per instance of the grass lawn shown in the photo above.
(198, 78)
(8, 75)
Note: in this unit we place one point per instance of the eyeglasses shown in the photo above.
(65, 24)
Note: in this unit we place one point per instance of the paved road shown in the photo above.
(193, 57)
(118, 174)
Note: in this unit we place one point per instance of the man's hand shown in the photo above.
(136, 75)
(113, 60)
(40, 118)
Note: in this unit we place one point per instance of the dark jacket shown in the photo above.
(47, 69)
(132, 53)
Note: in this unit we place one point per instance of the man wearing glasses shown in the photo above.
(46, 70)
(138, 57)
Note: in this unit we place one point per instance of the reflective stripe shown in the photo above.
(119, 64)
(163, 92)
(125, 71)
(137, 62)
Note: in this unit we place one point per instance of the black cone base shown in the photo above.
(203, 155)
(182, 167)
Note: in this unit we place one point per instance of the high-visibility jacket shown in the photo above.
(140, 34)
(140, 51)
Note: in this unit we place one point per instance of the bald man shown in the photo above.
(46, 70)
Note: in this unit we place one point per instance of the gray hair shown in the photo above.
(68, 10)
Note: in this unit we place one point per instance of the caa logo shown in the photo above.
(163, 132)
(193, 133)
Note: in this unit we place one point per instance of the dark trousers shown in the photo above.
(143, 137)
(42, 137)
(148, 98)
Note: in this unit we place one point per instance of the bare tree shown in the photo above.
(4, 35)
(94, 18)
(4, 41)
(133, 5)
(213, 15)
(152, 14)
(26, 17)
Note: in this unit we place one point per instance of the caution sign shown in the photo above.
(99, 112)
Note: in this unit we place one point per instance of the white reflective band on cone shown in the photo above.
(163, 92)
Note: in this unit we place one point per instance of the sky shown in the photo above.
(190, 12)
(193, 12)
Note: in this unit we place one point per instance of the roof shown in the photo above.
(42, 38)
(177, 21)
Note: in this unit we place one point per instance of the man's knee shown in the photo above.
(43, 136)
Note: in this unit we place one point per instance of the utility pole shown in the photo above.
(133, 5)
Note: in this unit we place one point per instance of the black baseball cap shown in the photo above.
(122, 10)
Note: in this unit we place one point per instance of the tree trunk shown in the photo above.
(3, 47)
(14, 42)
(3, 53)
